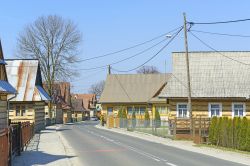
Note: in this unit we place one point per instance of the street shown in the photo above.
(96, 147)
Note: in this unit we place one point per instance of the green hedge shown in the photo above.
(232, 133)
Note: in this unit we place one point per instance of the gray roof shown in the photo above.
(25, 77)
(132, 88)
(213, 74)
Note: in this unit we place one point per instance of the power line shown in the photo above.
(123, 88)
(139, 53)
(125, 71)
(220, 22)
(222, 34)
(128, 48)
(204, 43)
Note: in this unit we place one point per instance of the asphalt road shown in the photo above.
(96, 147)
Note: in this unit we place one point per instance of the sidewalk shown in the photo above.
(241, 158)
(46, 148)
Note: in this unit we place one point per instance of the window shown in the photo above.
(20, 110)
(161, 109)
(142, 110)
(110, 110)
(238, 109)
(215, 109)
(182, 111)
(130, 110)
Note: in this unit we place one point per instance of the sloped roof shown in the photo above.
(61, 94)
(212, 75)
(25, 76)
(88, 100)
(77, 104)
(132, 88)
(5, 86)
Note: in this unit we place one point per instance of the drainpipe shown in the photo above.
(8, 106)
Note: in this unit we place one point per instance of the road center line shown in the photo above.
(171, 164)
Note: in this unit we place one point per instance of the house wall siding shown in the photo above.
(3, 111)
(35, 113)
(39, 116)
(200, 106)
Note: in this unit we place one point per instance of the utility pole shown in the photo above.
(109, 69)
(188, 73)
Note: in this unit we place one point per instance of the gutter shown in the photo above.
(8, 106)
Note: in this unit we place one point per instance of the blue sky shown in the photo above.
(110, 25)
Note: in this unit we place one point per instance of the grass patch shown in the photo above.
(222, 148)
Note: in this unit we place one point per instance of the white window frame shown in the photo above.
(110, 113)
(177, 110)
(209, 109)
(244, 108)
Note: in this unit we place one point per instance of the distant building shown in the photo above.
(134, 92)
(6, 91)
(89, 104)
(220, 84)
(29, 104)
(61, 103)
(77, 109)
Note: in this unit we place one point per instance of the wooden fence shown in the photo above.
(196, 129)
(13, 140)
(4, 147)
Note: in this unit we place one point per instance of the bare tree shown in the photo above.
(55, 42)
(97, 88)
(147, 70)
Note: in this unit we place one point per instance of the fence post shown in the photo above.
(10, 144)
(19, 138)
(175, 125)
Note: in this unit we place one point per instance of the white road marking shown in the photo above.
(153, 157)
(171, 164)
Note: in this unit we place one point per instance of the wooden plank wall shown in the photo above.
(39, 115)
(3, 112)
(200, 107)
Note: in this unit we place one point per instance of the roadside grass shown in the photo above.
(222, 148)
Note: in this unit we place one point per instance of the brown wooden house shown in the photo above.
(61, 103)
(220, 84)
(6, 90)
(29, 104)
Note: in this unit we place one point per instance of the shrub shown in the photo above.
(124, 117)
(236, 131)
(212, 131)
(247, 146)
(157, 119)
(120, 118)
(133, 119)
(230, 133)
(146, 119)
(243, 133)
(224, 132)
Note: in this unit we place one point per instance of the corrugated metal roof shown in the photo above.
(23, 76)
(2, 62)
(44, 95)
(132, 88)
(212, 75)
(5, 87)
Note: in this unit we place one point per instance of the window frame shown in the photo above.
(209, 109)
(160, 112)
(177, 110)
(108, 112)
(244, 109)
